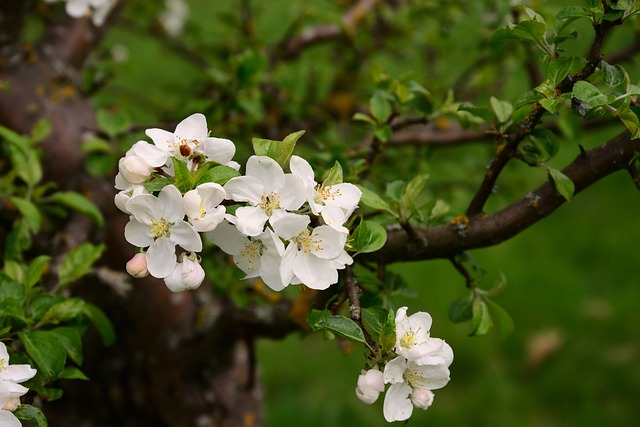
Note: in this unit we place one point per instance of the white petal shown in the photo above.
(270, 263)
(18, 373)
(212, 194)
(334, 217)
(162, 139)
(429, 376)
(4, 354)
(287, 224)
(7, 419)
(289, 259)
(345, 195)
(77, 8)
(218, 149)
(245, 189)
(192, 202)
(193, 127)
(138, 234)
(332, 242)
(293, 193)
(303, 170)
(267, 171)
(314, 272)
(161, 258)
(250, 220)
(397, 406)
(151, 154)
(145, 208)
(227, 237)
(186, 237)
(394, 370)
(172, 208)
(210, 220)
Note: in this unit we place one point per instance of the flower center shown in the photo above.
(324, 193)
(160, 228)
(414, 378)
(308, 242)
(3, 365)
(252, 253)
(269, 203)
(409, 339)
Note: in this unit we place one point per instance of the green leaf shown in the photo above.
(502, 319)
(218, 174)
(10, 288)
(72, 373)
(613, 75)
(528, 97)
(371, 199)
(361, 117)
(368, 237)
(30, 414)
(337, 324)
(71, 341)
(586, 92)
(388, 332)
(630, 120)
(566, 16)
(79, 203)
(46, 351)
(183, 178)
(41, 303)
(78, 262)
(23, 157)
(460, 309)
(374, 318)
(395, 189)
(502, 109)
(36, 269)
(380, 107)
(530, 30)
(561, 183)
(498, 287)
(114, 121)
(30, 213)
(101, 322)
(383, 132)
(334, 176)
(63, 311)
(280, 151)
(547, 88)
(482, 322)
(557, 69)
(410, 194)
(96, 145)
(157, 184)
(12, 313)
(40, 130)
(486, 114)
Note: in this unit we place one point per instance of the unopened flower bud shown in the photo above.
(370, 385)
(186, 275)
(134, 169)
(421, 397)
(11, 404)
(137, 266)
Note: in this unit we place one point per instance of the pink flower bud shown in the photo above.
(134, 169)
(11, 404)
(370, 385)
(421, 397)
(187, 274)
(137, 266)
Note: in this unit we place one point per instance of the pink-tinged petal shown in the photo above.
(219, 150)
(250, 220)
(186, 237)
(345, 195)
(334, 217)
(314, 272)
(7, 419)
(162, 139)
(267, 171)
(303, 170)
(172, 209)
(138, 234)
(397, 406)
(18, 373)
(332, 242)
(145, 208)
(287, 224)
(210, 220)
(245, 189)
(293, 193)
(151, 154)
(193, 127)
(192, 203)
(161, 258)
(121, 182)
(422, 398)
(432, 377)
(394, 370)
(289, 259)
(227, 237)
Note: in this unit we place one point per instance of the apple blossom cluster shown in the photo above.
(98, 10)
(268, 229)
(10, 389)
(420, 366)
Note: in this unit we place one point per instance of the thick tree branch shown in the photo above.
(444, 241)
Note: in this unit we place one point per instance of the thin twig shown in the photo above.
(468, 278)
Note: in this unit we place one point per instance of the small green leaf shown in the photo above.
(79, 203)
(10, 288)
(334, 176)
(30, 213)
(218, 174)
(388, 332)
(101, 322)
(368, 237)
(613, 75)
(486, 114)
(460, 309)
(502, 319)
(63, 311)
(361, 117)
(12, 313)
(157, 184)
(561, 183)
(23, 157)
(340, 325)
(383, 132)
(96, 145)
(36, 269)
(630, 120)
(40, 130)
(586, 92)
(380, 107)
(114, 121)
(502, 109)
(78, 262)
(30, 414)
(280, 151)
(557, 69)
(567, 15)
(371, 199)
(482, 322)
(183, 178)
(410, 194)
(46, 351)
(71, 341)
(547, 88)
(72, 373)
(374, 318)
(530, 30)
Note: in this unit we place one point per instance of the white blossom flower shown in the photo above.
(97, 9)
(10, 390)
(312, 257)
(137, 266)
(267, 189)
(174, 16)
(370, 385)
(187, 274)
(191, 138)
(335, 203)
(413, 339)
(137, 165)
(406, 378)
(158, 222)
(257, 256)
(122, 197)
(202, 206)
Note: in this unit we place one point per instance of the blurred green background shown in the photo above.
(573, 288)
